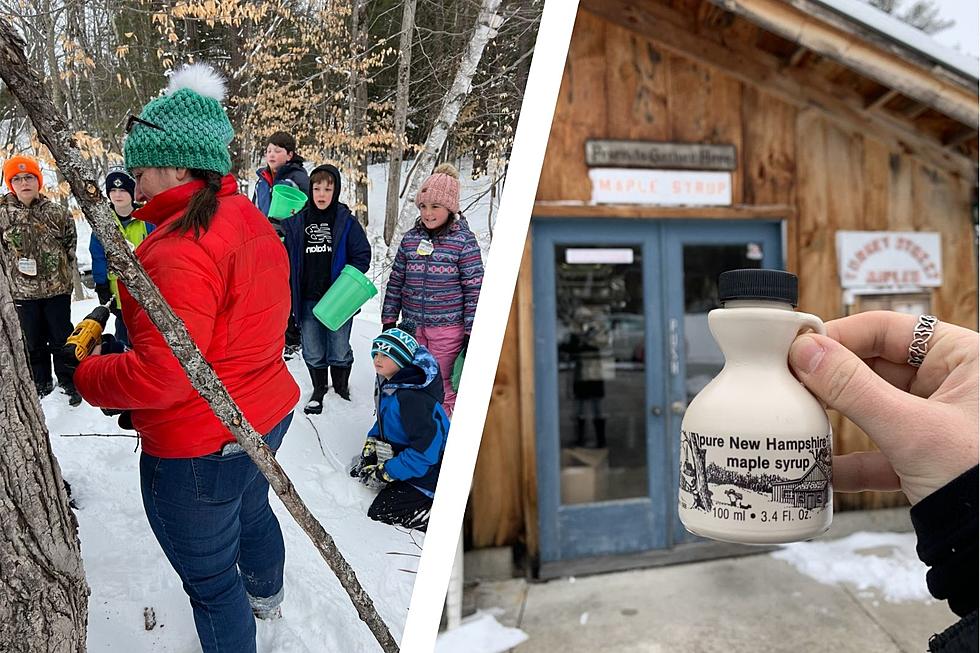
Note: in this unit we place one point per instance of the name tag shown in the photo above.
(27, 266)
(425, 248)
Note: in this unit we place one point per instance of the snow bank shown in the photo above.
(885, 562)
(480, 633)
(127, 571)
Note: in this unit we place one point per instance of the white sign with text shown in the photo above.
(661, 187)
(593, 255)
(889, 259)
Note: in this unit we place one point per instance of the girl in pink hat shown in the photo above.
(436, 278)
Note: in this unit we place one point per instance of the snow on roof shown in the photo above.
(904, 34)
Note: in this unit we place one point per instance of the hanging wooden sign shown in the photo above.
(650, 154)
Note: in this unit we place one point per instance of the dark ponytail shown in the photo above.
(203, 205)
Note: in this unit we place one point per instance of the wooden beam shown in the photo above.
(739, 212)
(882, 99)
(960, 137)
(916, 110)
(858, 54)
(797, 56)
(527, 431)
(797, 87)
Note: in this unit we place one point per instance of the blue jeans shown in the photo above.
(122, 333)
(212, 518)
(321, 346)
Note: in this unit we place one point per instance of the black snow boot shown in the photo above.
(341, 381)
(74, 399)
(44, 389)
(315, 405)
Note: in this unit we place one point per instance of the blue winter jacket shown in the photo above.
(100, 265)
(292, 171)
(412, 420)
(350, 246)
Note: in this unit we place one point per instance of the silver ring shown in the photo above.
(923, 331)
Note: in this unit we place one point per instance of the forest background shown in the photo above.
(357, 82)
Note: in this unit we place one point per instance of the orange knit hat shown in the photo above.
(15, 165)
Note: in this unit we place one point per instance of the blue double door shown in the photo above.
(621, 347)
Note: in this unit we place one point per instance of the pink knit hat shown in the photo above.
(442, 188)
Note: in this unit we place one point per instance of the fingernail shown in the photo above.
(805, 354)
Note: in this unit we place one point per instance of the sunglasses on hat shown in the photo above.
(132, 120)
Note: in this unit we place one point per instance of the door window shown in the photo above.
(702, 265)
(601, 333)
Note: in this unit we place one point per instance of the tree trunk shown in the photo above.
(55, 133)
(397, 152)
(43, 595)
(487, 23)
(359, 111)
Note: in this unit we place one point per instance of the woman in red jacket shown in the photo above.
(222, 269)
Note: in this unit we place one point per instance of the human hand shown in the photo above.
(103, 292)
(368, 456)
(375, 476)
(924, 420)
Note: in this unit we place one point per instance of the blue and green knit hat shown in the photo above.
(186, 127)
(397, 345)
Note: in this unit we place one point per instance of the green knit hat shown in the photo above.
(191, 129)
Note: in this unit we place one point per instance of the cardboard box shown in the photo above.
(584, 475)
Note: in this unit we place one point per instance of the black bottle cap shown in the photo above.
(769, 285)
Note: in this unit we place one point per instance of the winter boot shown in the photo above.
(266, 607)
(600, 432)
(580, 432)
(44, 388)
(74, 399)
(315, 405)
(341, 381)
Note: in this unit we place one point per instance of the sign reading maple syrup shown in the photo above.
(889, 259)
(660, 187)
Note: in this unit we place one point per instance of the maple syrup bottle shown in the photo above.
(755, 444)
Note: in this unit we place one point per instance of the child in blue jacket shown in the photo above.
(403, 451)
(320, 240)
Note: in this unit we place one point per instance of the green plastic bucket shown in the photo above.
(347, 294)
(286, 201)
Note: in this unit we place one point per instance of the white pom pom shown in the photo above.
(200, 78)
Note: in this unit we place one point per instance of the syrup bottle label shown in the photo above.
(756, 480)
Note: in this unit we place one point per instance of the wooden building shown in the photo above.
(824, 126)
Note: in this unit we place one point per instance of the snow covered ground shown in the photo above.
(125, 567)
(127, 571)
(885, 562)
(480, 633)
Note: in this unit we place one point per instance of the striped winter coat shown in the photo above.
(440, 289)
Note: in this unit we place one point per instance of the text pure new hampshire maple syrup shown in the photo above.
(755, 444)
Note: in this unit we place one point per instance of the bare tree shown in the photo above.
(43, 595)
(358, 109)
(397, 151)
(487, 23)
(922, 14)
